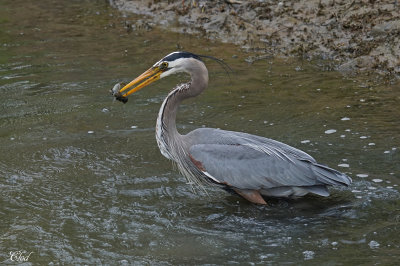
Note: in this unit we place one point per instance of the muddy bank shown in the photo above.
(359, 35)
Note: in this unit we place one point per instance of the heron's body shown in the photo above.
(250, 165)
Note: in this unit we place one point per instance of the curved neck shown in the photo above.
(166, 131)
(166, 120)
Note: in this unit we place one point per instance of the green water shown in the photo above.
(82, 180)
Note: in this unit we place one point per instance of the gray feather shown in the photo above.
(251, 162)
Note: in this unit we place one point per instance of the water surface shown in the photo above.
(82, 180)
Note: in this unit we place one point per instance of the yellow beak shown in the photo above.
(148, 77)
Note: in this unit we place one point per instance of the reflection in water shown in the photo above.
(82, 180)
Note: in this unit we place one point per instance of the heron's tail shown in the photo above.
(330, 176)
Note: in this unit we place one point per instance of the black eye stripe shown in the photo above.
(178, 55)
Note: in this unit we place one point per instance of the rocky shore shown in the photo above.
(358, 35)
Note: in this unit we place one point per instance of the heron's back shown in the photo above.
(252, 162)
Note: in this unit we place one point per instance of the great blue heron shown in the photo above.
(252, 166)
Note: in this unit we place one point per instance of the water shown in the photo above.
(82, 180)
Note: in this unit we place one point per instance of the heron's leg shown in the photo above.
(251, 195)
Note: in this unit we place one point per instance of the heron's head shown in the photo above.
(173, 63)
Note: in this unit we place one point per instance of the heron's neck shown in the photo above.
(167, 134)
(166, 120)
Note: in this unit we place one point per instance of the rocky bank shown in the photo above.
(359, 35)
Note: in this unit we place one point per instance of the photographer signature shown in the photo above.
(19, 255)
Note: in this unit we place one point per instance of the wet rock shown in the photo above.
(357, 63)
(382, 29)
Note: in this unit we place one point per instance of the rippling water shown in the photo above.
(82, 180)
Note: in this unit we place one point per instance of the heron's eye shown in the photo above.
(164, 65)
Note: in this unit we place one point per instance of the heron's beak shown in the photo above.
(148, 77)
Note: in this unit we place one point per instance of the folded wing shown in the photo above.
(261, 167)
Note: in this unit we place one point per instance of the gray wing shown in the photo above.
(250, 162)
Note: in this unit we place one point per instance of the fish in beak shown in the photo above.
(148, 77)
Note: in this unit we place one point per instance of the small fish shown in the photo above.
(115, 91)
